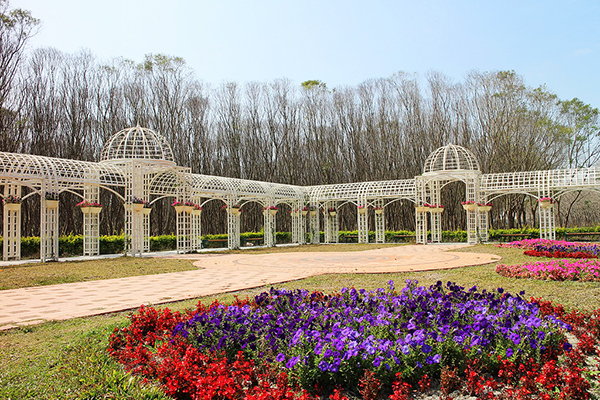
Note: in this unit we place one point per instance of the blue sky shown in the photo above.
(556, 43)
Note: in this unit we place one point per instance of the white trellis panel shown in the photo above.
(91, 222)
(331, 223)
(421, 227)
(379, 222)
(315, 235)
(363, 221)
(399, 189)
(12, 225)
(196, 239)
(420, 216)
(184, 227)
(472, 195)
(233, 229)
(484, 226)
(435, 188)
(48, 232)
(269, 226)
(298, 223)
(547, 223)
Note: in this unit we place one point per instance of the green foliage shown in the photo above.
(163, 242)
(72, 245)
(30, 245)
(310, 84)
(67, 360)
(112, 244)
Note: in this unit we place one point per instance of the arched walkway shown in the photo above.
(139, 163)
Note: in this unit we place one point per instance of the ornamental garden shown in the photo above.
(402, 341)
(405, 341)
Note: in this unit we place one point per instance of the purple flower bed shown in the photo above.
(556, 270)
(331, 340)
(568, 247)
(554, 246)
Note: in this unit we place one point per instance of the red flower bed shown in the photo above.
(559, 254)
(148, 348)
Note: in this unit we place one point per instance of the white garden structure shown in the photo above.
(137, 163)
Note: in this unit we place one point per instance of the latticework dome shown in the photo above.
(450, 158)
(137, 143)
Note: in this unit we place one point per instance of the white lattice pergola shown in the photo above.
(138, 163)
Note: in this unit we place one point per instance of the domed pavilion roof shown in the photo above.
(450, 158)
(137, 143)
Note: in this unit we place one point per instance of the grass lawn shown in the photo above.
(68, 360)
(51, 273)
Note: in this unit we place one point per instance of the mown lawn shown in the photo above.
(51, 273)
(68, 360)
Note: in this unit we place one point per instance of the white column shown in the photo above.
(91, 222)
(49, 227)
(363, 221)
(436, 217)
(269, 224)
(184, 229)
(233, 226)
(12, 224)
(379, 222)
(315, 235)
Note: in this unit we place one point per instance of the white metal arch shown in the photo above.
(141, 162)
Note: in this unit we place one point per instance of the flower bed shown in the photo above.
(285, 344)
(555, 248)
(555, 270)
(530, 243)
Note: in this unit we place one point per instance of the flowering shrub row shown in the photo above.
(559, 254)
(555, 270)
(555, 248)
(297, 344)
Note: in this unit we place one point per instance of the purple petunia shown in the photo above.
(381, 329)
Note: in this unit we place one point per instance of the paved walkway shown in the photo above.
(217, 273)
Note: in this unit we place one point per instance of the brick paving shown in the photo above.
(217, 273)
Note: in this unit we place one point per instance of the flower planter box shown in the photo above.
(273, 212)
(178, 209)
(546, 204)
(436, 210)
(469, 207)
(484, 208)
(188, 209)
(146, 211)
(13, 206)
(236, 211)
(137, 207)
(304, 213)
(362, 211)
(379, 212)
(332, 213)
(421, 209)
(313, 213)
(196, 212)
(51, 204)
(91, 210)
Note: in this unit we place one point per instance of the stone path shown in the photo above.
(218, 273)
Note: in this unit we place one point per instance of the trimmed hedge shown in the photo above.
(73, 244)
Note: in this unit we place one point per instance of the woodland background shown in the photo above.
(67, 105)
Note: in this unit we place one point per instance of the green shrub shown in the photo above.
(163, 243)
(72, 245)
(112, 244)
